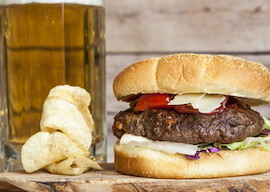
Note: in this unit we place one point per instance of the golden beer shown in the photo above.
(44, 45)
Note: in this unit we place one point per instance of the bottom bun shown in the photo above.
(145, 162)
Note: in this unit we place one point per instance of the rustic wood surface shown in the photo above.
(111, 180)
(188, 25)
(7, 187)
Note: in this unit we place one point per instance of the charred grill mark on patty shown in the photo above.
(229, 126)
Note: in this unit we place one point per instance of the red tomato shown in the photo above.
(185, 109)
(132, 98)
(148, 101)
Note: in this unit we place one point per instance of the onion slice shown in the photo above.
(209, 150)
(165, 146)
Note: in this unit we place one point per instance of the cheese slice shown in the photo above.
(208, 103)
(186, 98)
(205, 103)
(165, 146)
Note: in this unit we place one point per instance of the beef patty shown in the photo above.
(229, 126)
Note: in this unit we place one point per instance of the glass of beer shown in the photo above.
(45, 43)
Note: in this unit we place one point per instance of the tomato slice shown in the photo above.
(148, 101)
(132, 98)
(185, 109)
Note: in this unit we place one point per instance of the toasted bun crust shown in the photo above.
(145, 162)
(196, 73)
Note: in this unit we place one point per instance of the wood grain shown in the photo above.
(4, 187)
(187, 25)
(111, 180)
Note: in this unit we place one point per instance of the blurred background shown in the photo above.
(140, 29)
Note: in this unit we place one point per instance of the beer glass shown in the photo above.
(45, 43)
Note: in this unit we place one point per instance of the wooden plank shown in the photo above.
(4, 187)
(187, 25)
(111, 180)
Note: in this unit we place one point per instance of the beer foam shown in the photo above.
(83, 2)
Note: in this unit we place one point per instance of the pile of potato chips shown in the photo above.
(63, 144)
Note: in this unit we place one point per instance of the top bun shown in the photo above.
(196, 73)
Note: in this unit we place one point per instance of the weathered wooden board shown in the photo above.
(4, 187)
(110, 180)
(187, 25)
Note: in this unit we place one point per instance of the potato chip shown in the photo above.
(74, 165)
(59, 114)
(77, 96)
(67, 127)
(45, 148)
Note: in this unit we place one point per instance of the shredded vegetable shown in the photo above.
(194, 157)
(208, 150)
(265, 132)
(247, 143)
(212, 150)
(266, 123)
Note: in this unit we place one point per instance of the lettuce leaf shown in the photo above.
(266, 123)
(247, 143)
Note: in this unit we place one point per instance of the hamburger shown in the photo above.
(190, 116)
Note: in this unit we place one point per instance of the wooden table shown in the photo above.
(111, 180)
(4, 186)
